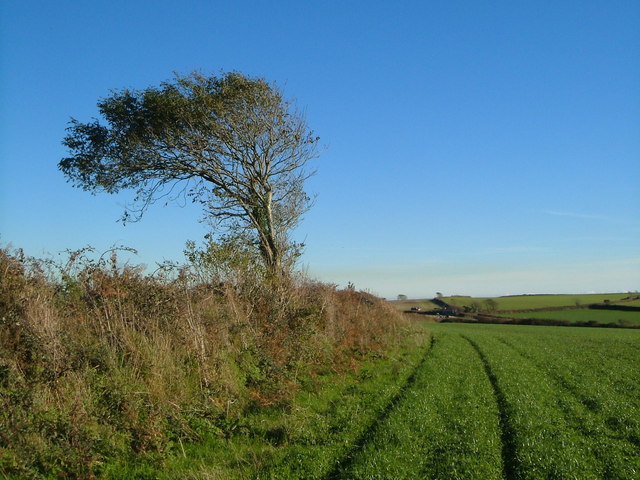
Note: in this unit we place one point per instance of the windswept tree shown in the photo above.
(231, 143)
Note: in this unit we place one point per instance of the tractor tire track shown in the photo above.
(510, 464)
(591, 405)
(347, 459)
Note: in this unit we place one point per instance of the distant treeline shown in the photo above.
(622, 308)
(492, 319)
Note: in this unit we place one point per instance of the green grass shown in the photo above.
(484, 402)
(568, 398)
(586, 315)
(504, 401)
(305, 439)
(446, 425)
(525, 302)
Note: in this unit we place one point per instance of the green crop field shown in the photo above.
(587, 315)
(512, 402)
(484, 402)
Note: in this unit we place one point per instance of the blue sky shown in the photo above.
(480, 148)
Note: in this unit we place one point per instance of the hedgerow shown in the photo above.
(101, 361)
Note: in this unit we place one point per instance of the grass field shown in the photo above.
(481, 402)
(547, 308)
(586, 315)
(150, 383)
(514, 402)
(526, 302)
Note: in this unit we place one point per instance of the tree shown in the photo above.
(490, 305)
(232, 143)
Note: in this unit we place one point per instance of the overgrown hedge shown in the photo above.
(100, 361)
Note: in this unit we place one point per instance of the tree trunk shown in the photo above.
(270, 249)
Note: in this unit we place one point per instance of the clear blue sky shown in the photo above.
(473, 147)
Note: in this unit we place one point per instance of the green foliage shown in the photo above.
(231, 143)
(490, 305)
(231, 259)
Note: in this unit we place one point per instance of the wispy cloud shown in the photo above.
(517, 249)
(585, 216)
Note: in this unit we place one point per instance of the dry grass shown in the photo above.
(100, 361)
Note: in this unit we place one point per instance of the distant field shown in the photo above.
(524, 302)
(548, 307)
(586, 315)
(403, 305)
